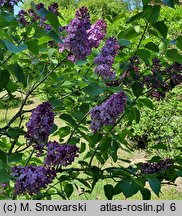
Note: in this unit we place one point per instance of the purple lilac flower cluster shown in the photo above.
(108, 112)
(82, 36)
(105, 60)
(77, 38)
(58, 154)
(156, 167)
(40, 123)
(162, 80)
(9, 4)
(31, 179)
(25, 18)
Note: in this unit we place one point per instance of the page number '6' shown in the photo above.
(173, 207)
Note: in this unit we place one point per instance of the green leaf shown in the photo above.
(136, 114)
(44, 39)
(128, 186)
(173, 55)
(4, 177)
(14, 49)
(53, 20)
(33, 46)
(68, 189)
(62, 132)
(108, 190)
(169, 3)
(7, 20)
(83, 163)
(68, 119)
(162, 28)
(105, 143)
(83, 147)
(179, 173)
(137, 89)
(54, 128)
(84, 182)
(128, 34)
(93, 89)
(135, 17)
(124, 42)
(145, 2)
(94, 139)
(15, 157)
(52, 34)
(179, 42)
(151, 13)
(1, 54)
(84, 108)
(143, 53)
(146, 102)
(159, 146)
(3, 157)
(152, 46)
(42, 12)
(15, 132)
(155, 185)
(146, 194)
(4, 78)
(81, 62)
(19, 74)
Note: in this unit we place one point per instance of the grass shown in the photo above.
(8, 110)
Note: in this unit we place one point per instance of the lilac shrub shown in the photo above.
(105, 60)
(108, 112)
(31, 179)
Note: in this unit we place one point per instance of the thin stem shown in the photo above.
(15, 140)
(21, 150)
(29, 158)
(76, 128)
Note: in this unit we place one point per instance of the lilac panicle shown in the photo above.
(40, 123)
(156, 167)
(108, 112)
(77, 37)
(82, 36)
(58, 154)
(97, 32)
(31, 179)
(105, 60)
